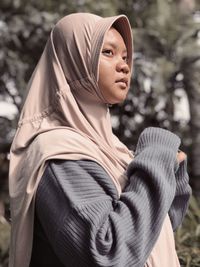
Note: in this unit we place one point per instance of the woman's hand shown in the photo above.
(181, 156)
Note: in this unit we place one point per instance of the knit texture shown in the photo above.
(181, 200)
(86, 224)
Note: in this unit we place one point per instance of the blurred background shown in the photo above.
(165, 90)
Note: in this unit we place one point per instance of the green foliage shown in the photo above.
(188, 236)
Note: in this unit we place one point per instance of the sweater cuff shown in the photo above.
(182, 178)
(157, 136)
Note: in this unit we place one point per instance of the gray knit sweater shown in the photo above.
(81, 221)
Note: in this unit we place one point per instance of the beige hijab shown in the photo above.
(64, 117)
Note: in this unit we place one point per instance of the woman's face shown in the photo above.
(114, 72)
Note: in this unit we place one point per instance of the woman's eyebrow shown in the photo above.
(113, 45)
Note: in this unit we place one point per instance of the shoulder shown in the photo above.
(75, 167)
(76, 174)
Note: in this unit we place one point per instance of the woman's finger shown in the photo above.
(181, 156)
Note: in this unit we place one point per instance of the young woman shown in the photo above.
(79, 198)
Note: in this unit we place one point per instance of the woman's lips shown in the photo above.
(123, 82)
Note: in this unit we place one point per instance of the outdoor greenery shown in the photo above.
(188, 236)
(165, 90)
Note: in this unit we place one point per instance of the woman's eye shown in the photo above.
(107, 52)
(125, 58)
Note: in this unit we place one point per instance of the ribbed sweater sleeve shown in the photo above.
(85, 221)
(181, 200)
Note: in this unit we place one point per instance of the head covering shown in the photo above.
(64, 117)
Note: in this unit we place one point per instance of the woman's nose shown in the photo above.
(122, 66)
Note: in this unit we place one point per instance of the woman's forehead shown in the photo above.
(114, 39)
